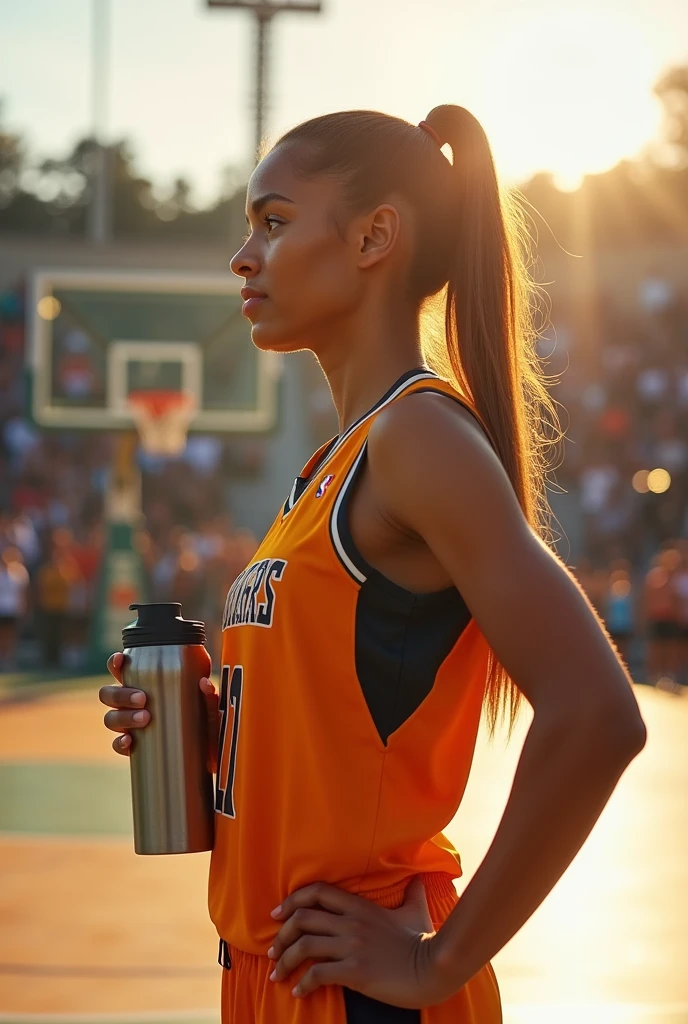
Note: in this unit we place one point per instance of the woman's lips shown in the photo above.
(251, 296)
(251, 303)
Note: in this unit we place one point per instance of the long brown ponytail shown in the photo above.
(490, 334)
(471, 261)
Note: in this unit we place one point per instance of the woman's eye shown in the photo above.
(271, 223)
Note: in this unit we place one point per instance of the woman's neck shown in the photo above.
(362, 366)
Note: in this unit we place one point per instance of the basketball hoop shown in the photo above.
(162, 419)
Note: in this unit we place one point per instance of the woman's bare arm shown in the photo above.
(433, 473)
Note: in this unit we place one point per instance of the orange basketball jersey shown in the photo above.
(349, 709)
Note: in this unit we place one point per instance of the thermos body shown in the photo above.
(171, 782)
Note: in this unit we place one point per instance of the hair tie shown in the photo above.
(429, 130)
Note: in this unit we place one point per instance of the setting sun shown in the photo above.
(569, 90)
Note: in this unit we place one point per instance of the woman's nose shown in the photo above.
(243, 264)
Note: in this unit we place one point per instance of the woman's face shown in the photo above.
(295, 257)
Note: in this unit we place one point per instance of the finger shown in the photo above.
(207, 687)
(119, 721)
(414, 911)
(122, 745)
(121, 697)
(212, 707)
(302, 921)
(318, 894)
(309, 947)
(114, 665)
(336, 973)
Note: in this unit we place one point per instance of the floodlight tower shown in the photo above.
(264, 11)
(100, 208)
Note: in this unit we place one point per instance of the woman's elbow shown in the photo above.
(636, 734)
(611, 732)
(622, 728)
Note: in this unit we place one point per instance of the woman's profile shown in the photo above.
(405, 587)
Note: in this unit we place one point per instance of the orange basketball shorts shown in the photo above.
(249, 997)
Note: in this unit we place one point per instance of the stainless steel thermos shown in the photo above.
(171, 781)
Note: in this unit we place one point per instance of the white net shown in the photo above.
(162, 419)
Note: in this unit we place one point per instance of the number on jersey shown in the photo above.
(230, 719)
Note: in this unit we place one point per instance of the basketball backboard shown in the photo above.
(98, 336)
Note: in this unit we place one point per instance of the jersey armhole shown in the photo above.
(353, 561)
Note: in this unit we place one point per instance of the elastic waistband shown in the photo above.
(438, 887)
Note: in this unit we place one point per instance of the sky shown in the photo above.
(563, 86)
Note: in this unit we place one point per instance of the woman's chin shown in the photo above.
(267, 339)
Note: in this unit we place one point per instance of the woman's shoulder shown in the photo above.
(429, 417)
(426, 454)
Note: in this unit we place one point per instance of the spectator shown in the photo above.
(619, 607)
(14, 591)
(680, 581)
(661, 616)
(22, 533)
(55, 583)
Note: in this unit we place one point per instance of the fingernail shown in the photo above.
(125, 741)
(276, 911)
(138, 698)
(295, 990)
(139, 716)
(273, 975)
(271, 952)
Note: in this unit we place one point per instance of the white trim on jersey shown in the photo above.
(334, 529)
(425, 375)
(292, 495)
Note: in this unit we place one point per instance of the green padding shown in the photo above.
(65, 799)
(21, 686)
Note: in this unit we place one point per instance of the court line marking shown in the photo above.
(610, 1013)
(105, 971)
(210, 1016)
(23, 836)
(105, 838)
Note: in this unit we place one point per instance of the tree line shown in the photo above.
(637, 202)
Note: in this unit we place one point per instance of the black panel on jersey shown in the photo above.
(401, 641)
(362, 1009)
(402, 637)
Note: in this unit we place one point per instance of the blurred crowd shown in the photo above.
(623, 396)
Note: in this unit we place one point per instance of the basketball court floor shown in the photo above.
(90, 932)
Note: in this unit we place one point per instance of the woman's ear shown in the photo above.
(378, 235)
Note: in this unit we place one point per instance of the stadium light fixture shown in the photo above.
(263, 12)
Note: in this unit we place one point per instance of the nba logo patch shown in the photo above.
(324, 484)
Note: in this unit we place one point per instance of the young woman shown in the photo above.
(404, 586)
(619, 606)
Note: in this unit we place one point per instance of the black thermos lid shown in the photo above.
(161, 624)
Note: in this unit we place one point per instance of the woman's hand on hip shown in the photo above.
(384, 954)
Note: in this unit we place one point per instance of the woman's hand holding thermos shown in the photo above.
(167, 727)
(130, 703)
